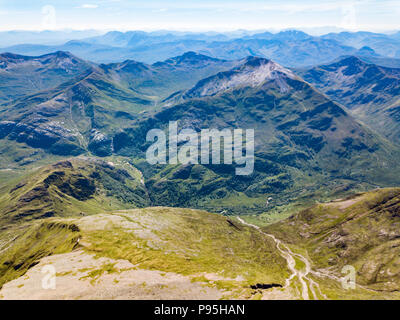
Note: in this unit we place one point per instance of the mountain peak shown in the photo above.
(292, 35)
(192, 54)
(190, 57)
(11, 56)
(62, 54)
(252, 72)
(64, 60)
(367, 51)
(351, 65)
(252, 61)
(346, 61)
(264, 68)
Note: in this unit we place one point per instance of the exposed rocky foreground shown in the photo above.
(79, 276)
(159, 253)
(165, 253)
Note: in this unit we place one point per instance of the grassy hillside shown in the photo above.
(370, 91)
(187, 242)
(77, 186)
(361, 231)
(22, 247)
(81, 111)
(306, 146)
(23, 75)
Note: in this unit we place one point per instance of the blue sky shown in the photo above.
(199, 15)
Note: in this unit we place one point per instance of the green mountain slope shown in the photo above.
(68, 119)
(361, 231)
(162, 79)
(83, 114)
(205, 248)
(22, 75)
(370, 91)
(290, 48)
(77, 186)
(304, 142)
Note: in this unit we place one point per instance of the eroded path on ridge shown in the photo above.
(307, 284)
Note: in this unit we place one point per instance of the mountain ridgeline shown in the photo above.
(22, 75)
(78, 115)
(300, 138)
(304, 142)
(79, 186)
(370, 91)
(290, 48)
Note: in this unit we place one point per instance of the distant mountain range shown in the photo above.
(289, 48)
(10, 38)
(385, 45)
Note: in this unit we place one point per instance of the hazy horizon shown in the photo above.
(200, 16)
(311, 31)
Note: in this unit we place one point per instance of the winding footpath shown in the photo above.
(302, 275)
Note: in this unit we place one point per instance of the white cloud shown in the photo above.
(88, 6)
(249, 6)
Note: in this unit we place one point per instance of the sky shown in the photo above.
(199, 15)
